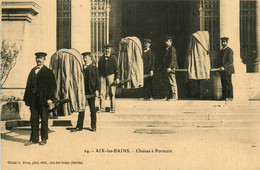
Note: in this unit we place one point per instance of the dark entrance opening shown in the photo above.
(156, 19)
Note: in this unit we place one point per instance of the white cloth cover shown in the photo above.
(198, 56)
(67, 66)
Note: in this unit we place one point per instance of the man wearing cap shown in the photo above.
(109, 76)
(39, 93)
(225, 60)
(171, 64)
(92, 86)
(148, 59)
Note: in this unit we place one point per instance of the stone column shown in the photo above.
(17, 19)
(229, 27)
(254, 78)
(80, 25)
(258, 28)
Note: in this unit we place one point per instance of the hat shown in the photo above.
(224, 38)
(107, 45)
(85, 53)
(147, 40)
(168, 38)
(40, 54)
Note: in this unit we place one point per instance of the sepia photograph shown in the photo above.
(130, 84)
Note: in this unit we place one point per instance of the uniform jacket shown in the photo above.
(45, 83)
(226, 60)
(149, 59)
(108, 66)
(91, 78)
(171, 58)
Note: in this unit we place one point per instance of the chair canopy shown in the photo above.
(198, 60)
(130, 62)
(67, 66)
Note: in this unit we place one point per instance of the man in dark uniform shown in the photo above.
(109, 76)
(148, 58)
(92, 86)
(39, 93)
(225, 58)
(171, 64)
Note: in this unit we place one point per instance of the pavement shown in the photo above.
(117, 147)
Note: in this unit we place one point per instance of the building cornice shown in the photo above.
(20, 10)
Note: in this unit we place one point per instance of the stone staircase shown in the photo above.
(132, 113)
(158, 113)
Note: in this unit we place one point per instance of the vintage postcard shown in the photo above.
(130, 84)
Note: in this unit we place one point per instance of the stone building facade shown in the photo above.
(48, 25)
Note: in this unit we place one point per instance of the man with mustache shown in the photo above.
(109, 76)
(39, 93)
(226, 60)
(92, 86)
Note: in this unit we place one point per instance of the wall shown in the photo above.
(30, 37)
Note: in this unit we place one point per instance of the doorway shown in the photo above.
(156, 19)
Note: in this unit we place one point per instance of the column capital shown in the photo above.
(22, 10)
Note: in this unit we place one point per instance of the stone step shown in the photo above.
(167, 114)
(186, 103)
(131, 123)
(126, 106)
(181, 116)
(179, 123)
(159, 123)
(174, 110)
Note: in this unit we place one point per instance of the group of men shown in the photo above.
(225, 64)
(41, 84)
(41, 87)
(170, 63)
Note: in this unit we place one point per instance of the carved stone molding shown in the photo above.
(23, 10)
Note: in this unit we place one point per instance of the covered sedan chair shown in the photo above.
(130, 62)
(198, 59)
(204, 81)
(67, 66)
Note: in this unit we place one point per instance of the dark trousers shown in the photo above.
(172, 86)
(93, 115)
(227, 87)
(36, 111)
(147, 89)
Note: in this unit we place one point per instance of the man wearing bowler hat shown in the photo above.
(226, 60)
(170, 62)
(109, 76)
(92, 86)
(39, 93)
(148, 59)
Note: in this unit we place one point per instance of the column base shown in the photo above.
(240, 87)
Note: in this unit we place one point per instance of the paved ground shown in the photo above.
(134, 148)
(141, 147)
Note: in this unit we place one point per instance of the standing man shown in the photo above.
(92, 87)
(39, 93)
(226, 60)
(171, 65)
(109, 76)
(148, 58)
